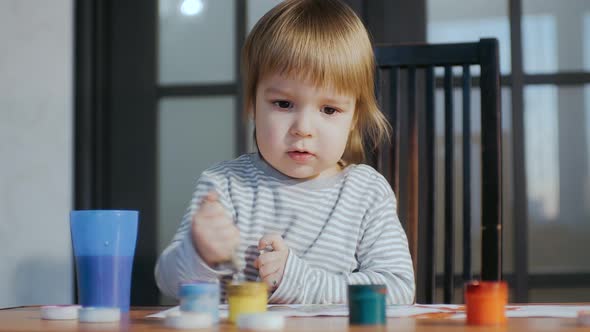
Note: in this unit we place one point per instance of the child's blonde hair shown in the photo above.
(325, 42)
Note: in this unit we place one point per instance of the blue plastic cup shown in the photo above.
(104, 246)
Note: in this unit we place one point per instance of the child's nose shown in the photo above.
(303, 124)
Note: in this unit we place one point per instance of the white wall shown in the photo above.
(36, 54)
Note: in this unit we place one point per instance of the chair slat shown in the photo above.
(466, 173)
(412, 215)
(394, 120)
(491, 141)
(429, 236)
(420, 55)
(449, 158)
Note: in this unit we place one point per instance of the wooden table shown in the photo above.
(27, 319)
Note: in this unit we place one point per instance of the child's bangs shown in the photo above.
(329, 64)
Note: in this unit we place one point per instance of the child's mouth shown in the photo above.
(300, 156)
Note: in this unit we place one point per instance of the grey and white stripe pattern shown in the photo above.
(340, 230)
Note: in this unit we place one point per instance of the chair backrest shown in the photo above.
(409, 163)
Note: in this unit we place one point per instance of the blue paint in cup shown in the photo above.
(104, 246)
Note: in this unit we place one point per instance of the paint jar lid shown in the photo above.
(188, 320)
(584, 318)
(262, 321)
(197, 288)
(247, 288)
(491, 288)
(356, 291)
(60, 312)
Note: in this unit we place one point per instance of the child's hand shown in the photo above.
(271, 265)
(214, 235)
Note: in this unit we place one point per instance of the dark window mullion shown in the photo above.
(564, 78)
(197, 90)
(519, 216)
(241, 138)
(505, 80)
(536, 280)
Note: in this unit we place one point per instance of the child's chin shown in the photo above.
(300, 174)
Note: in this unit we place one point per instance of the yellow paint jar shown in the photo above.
(246, 297)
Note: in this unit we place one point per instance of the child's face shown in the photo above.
(302, 130)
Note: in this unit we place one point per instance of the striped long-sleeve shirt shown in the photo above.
(340, 230)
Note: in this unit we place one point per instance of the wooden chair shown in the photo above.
(409, 162)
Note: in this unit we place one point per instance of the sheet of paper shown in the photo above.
(223, 312)
(417, 310)
(558, 311)
(424, 310)
(301, 310)
(162, 314)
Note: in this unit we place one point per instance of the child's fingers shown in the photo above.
(230, 235)
(211, 196)
(216, 222)
(257, 263)
(210, 206)
(273, 280)
(275, 240)
(219, 222)
(269, 257)
(267, 269)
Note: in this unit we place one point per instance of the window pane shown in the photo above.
(556, 295)
(556, 35)
(587, 41)
(257, 9)
(468, 21)
(196, 41)
(557, 150)
(193, 134)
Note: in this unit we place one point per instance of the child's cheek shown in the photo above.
(274, 130)
(264, 133)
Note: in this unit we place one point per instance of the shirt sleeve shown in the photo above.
(180, 261)
(383, 258)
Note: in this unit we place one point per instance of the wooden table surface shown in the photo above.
(28, 319)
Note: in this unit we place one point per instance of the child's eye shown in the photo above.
(283, 104)
(329, 110)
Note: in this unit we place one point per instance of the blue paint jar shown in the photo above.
(200, 297)
(366, 304)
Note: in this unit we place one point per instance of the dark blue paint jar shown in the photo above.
(366, 304)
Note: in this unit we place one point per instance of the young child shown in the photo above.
(308, 67)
